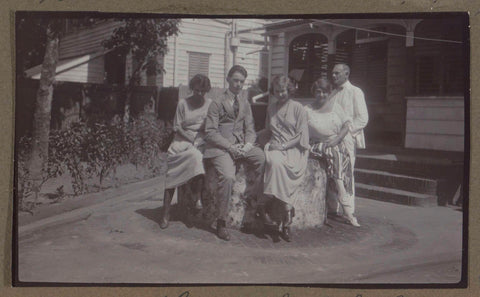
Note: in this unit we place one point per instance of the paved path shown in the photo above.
(119, 241)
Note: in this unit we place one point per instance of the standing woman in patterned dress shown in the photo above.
(329, 128)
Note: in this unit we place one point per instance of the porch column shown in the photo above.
(409, 78)
(410, 65)
(332, 49)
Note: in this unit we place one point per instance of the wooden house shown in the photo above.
(207, 46)
(412, 71)
(414, 75)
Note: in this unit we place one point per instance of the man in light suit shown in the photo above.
(230, 135)
(352, 101)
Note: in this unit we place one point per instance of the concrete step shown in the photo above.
(385, 179)
(394, 195)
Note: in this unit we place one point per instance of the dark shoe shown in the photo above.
(286, 233)
(289, 214)
(165, 220)
(167, 199)
(264, 216)
(247, 228)
(222, 231)
(188, 218)
(198, 205)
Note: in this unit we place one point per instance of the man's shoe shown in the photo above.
(222, 231)
(286, 233)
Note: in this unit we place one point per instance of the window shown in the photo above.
(115, 67)
(308, 61)
(369, 69)
(439, 66)
(198, 63)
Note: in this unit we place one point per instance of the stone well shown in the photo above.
(309, 206)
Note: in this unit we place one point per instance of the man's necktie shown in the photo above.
(235, 106)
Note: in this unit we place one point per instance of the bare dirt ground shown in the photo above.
(117, 239)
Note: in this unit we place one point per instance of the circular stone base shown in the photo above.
(309, 206)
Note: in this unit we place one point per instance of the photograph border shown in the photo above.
(465, 253)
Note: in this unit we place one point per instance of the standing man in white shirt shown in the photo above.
(352, 101)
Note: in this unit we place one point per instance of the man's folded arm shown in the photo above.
(213, 136)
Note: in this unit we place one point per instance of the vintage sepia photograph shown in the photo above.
(316, 150)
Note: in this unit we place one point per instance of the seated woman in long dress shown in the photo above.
(286, 153)
(328, 128)
(185, 154)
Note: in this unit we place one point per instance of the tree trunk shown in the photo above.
(126, 112)
(42, 114)
(130, 87)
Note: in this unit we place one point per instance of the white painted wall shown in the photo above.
(435, 123)
(208, 36)
(90, 72)
(196, 35)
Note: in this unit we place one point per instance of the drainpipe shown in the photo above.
(234, 42)
(174, 60)
(270, 50)
(226, 55)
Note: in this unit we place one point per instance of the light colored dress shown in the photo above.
(184, 159)
(285, 170)
(324, 126)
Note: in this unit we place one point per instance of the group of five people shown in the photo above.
(221, 131)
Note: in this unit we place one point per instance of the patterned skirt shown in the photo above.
(338, 162)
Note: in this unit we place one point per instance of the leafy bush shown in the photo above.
(86, 151)
(149, 138)
(106, 147)
(67, 151)
(26, 187)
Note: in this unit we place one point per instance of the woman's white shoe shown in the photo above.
(353, 221)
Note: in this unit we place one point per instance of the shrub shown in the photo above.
(149, 138)
(67, 151)
(25, 184)
(86, 151)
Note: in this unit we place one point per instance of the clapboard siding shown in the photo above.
(87, 40)
(435, 123)
(436, 113)
(168, 64)
(278, 62)
(249, 57)
(446, 127)
(208, 36)
(90, 72)
(436, 142)
(196, 35)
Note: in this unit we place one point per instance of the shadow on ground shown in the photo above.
(381, 233)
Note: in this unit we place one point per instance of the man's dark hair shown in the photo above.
(237, 68)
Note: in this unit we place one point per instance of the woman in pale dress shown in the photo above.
(185, 153)
(329, 128)
(286, 153)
